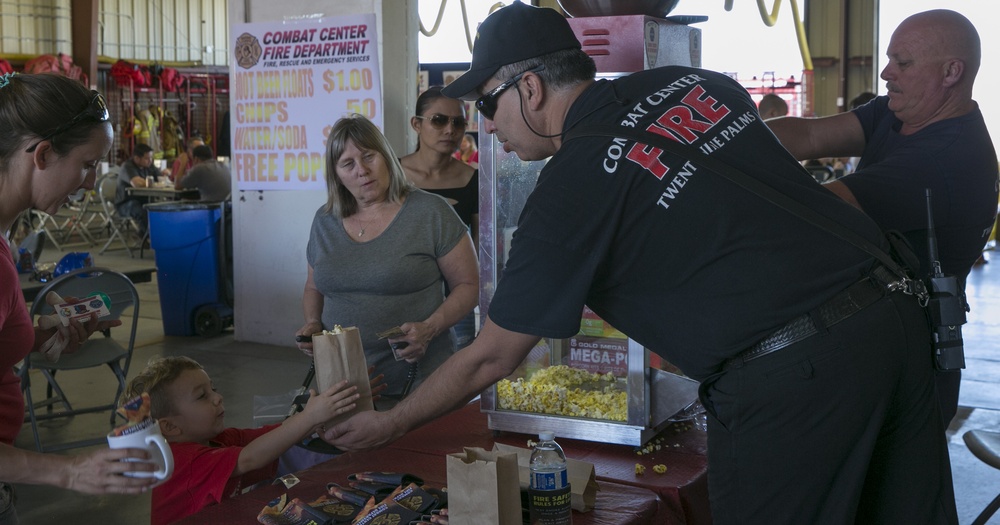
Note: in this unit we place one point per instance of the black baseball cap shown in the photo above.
(512, 34)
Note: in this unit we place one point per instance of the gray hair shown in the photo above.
(563, 69)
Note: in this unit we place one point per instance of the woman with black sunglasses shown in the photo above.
(440, 123)
(53, 134)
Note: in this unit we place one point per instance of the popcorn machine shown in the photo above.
(597, 385)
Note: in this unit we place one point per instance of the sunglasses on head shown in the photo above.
(487, 104)
(97, 110)
(439, 121)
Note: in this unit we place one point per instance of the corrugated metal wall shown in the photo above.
(34, 28)
(164, 31)
(842, 41)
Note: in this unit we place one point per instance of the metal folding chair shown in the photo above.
(48, 224)
(116, 225)
(77, 216)
(115, 353)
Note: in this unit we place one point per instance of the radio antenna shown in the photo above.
(932, 247)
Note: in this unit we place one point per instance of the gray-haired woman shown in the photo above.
(380, 252)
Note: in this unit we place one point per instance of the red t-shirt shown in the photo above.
(202, 475)
(17, 337)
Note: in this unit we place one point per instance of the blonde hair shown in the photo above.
(159, 374)
(365, 136)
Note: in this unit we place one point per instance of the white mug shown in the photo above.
(151, 440)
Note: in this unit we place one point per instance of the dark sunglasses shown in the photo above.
(97, 110)
(487, 104)
(439, 121)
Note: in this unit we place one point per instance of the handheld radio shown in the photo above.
(946, 306)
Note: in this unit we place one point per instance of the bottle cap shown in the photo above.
(546, 435)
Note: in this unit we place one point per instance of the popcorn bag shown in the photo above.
(483, 487)
(338, 355)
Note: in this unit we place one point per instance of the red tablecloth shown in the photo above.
(683, 450)
(679, 496)
(616, 504)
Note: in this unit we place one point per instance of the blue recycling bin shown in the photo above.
(190, 272)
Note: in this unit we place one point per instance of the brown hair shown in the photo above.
(34, 105)
(154, 380)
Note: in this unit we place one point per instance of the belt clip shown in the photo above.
(911, 287)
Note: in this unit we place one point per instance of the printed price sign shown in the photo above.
(290, 83)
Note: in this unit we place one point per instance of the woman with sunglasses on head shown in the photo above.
(53, 134)
(440, 123)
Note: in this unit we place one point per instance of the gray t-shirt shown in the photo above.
(387, 281)
(128, 171)
(212, 180)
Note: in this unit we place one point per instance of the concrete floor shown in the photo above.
(242, 370)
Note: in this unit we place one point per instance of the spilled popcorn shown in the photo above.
(659, 469)
(556, 390)
(640, 469)
(651, 447)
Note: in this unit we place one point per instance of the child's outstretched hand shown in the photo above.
(336, 400)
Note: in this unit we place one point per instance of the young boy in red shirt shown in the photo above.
(212, 462)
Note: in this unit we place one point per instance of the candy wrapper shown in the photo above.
(385, 512)
(351, 496)
(415, 498)
(379, 490)
(321, 511)
(340, 511)
(389, 478)
(136, 414)
(296, 512)
(406, 503)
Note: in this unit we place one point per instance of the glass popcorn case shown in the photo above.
(597, 385)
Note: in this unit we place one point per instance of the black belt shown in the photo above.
(855, 298)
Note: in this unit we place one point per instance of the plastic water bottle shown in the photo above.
(549, 494)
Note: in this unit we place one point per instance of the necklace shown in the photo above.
(367, 224)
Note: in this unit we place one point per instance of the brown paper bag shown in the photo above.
(582, 478)
(483, 487)
(338, 357)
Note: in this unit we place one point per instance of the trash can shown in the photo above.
(188, 239)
